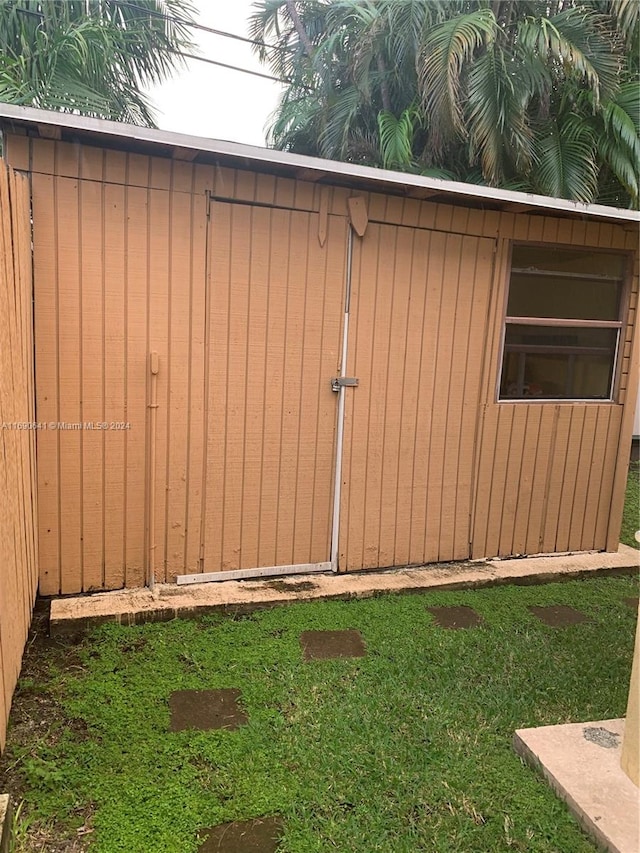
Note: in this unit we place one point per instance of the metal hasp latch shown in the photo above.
(343, 382)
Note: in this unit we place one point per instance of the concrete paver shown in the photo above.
(203, 710)
(325, 645)
(260, 835)
(558, 615)
(455, 617)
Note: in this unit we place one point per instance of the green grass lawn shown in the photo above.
(407, 749)
(631, 517)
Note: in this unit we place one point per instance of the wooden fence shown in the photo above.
(18, 546)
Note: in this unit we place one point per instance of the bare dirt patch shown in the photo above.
(261, 835)
(203, 710)
(323, 645)
(455, 617)
(559, 615)
(37, 719)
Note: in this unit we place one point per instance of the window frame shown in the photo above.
(621, 324)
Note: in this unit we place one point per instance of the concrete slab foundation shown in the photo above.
(581, 762)
(168, 601)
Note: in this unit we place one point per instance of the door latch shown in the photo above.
(343, 382)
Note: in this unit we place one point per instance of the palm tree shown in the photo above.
(90, 56)
(539, 95)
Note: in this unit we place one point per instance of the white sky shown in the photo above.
(206, 100)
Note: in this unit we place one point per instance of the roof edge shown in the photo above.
(30, 116)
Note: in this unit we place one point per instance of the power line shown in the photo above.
(38, 15)
(175, 20)
(197, 26)
(232, 67)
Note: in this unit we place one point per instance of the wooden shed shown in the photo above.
(251, 362)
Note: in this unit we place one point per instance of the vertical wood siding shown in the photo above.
(18, 547)
(119, 272)
(123, 256)
(545, 478)
(551, 476)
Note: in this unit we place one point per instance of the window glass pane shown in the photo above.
(563, 298)
(557, 363)
(565, 284)
(569, 260)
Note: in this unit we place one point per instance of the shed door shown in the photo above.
(416, 342)
(276, 302)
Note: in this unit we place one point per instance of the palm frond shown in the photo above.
(620, 125)
(622, 166)
(296, 123)
(443, 174)
(396, 138)
(627, 16)
(566, 160)
(449, 46)
(580, 42)
(498, 131)
(628, 99)
(94, 56)
(339, 122)
(485, 74)
(619, 141)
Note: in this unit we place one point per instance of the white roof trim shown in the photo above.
(254, 154)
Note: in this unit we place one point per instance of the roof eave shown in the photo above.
(312, 167)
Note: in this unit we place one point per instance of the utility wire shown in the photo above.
(194, 25)
(38, 15)
(199, 27)
(183, 21)
(232, 67)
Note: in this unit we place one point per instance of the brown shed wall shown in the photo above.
(551, 476)
(18, 546)
(127, 262)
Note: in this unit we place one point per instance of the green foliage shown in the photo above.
(631, 517)
(21, 828)
(396, 137)
(566, 155)
(43, 772)
(448, 48)
(406, 749)
(474, 88)
(89, 56)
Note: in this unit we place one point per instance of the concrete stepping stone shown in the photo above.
(324, 645)
(632, 602)
(260, 835)
(203, 710)
(455, 617)
(558, 615)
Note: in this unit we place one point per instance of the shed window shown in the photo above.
(563, 324)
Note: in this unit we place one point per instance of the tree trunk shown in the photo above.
(384, 86)
(297, 23)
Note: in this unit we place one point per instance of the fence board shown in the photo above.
(18, 547)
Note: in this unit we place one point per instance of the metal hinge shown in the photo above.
(343, 382)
